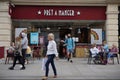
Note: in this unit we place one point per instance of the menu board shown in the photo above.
(34, 38)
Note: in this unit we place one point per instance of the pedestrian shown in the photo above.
(24, 45)
(51, 54)
(17, 55)
(70, 45)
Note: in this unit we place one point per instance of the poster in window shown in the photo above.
(41, 40)
(34, 38)
(96, 36)
(19, 30)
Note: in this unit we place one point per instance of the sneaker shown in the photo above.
(68, 59)
(26, 62)
(55, 76)
(23, 68)
(71, 61)
(11, 68)
(44, 78)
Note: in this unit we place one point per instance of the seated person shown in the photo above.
(113, 50)
(11, 50)
(94, 50)
(105, 47)
(101, 52)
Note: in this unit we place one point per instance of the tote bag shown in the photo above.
(44, 60)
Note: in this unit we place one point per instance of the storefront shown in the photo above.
(88, 21)
(61, 20)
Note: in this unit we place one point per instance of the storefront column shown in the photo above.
(112, 24)
(5, 24)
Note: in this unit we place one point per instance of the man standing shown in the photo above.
(70, 45)
(24, 44)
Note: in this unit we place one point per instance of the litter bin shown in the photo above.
(1, 52)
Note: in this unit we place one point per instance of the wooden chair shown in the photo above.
(36, 53)
(8, 57)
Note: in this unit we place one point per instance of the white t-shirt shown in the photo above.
(94, 51)
(52, 48)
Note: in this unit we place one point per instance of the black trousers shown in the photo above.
(50, 60)
(20, 60)
(24, 55)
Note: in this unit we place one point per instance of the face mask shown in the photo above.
(68, 36)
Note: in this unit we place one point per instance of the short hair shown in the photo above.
(51, 35)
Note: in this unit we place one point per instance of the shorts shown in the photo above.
(28, 55)
(70, 51)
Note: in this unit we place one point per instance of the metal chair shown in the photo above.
(89, 57)
(36, 53)
(115, 56)
(8, 57)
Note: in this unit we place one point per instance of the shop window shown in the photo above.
(83, 35)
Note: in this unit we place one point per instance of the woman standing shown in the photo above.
(51, 54)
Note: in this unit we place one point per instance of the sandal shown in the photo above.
(55, 76)
(44, 78)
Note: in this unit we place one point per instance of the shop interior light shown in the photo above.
(79, 31)
(39, 30)
(48, 28)
(70, 27)
(59, 27)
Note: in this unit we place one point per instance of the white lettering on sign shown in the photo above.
(48, 12)
(56, 13)
(66, 12)
(51, 12)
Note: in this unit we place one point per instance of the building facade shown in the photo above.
(61, 17)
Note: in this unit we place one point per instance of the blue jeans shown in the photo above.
(50, 60)
(110, 55)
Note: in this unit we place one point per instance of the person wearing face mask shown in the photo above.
(17, 55)
(24, 45)
(70, 45)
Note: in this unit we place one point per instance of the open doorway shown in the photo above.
(63, 32)
(62, 48)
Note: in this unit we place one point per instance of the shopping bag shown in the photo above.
(44, 60)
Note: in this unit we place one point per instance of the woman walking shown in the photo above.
(51, 54)
(17, 55)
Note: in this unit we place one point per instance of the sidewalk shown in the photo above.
(79, 69)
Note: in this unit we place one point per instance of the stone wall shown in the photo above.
(5, 24)
(112, 24)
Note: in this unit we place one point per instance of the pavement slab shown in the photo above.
(79, 69)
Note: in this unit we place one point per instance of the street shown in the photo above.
(79, 69)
